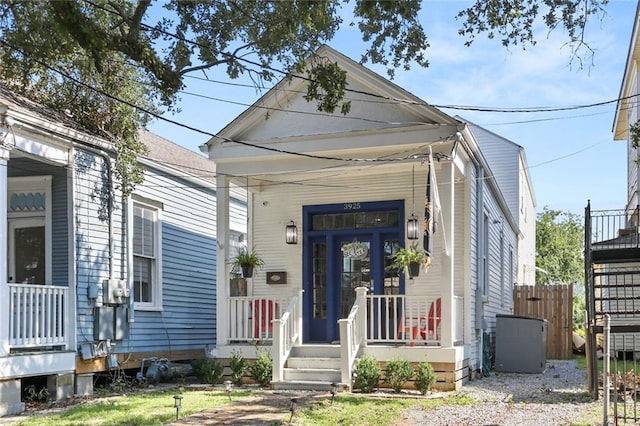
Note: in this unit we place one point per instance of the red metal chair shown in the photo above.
(433, 320)
(264, 311)
(412, 328)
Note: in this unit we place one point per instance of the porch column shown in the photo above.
(222, 255)
(4, 237)
(447, 207)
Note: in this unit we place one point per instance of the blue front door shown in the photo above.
(345, 249)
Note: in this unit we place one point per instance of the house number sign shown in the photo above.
(351, 206)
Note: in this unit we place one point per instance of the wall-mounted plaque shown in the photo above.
(276, 277)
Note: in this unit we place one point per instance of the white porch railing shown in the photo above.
(38, 315)
(402, 319)
(353, 330)
(250, 318)
(287, 332)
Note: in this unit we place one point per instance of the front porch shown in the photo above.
(383, 326)
(38, 331)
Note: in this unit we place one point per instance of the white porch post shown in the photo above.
(4, 288)
(447, 207)
(222, 278)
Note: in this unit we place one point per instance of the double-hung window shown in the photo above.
(147, 282)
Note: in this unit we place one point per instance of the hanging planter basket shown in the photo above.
(247, 271)
(246, 261)
(414, 269)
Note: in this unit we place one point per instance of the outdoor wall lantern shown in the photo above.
(291, 233)
(227, 387)
(177, 403)
(413, 229)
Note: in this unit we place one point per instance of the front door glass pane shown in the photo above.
(355, 271)
(319, 293)
(29, 255)
(391, 275)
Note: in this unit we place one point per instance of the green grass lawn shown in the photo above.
(147, 408)
(156, 408)
(356, 410)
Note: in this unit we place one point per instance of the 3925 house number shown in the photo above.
(351, 206)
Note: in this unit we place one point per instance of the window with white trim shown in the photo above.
(147, 282)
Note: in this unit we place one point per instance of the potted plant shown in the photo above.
(408, 260)
(247, 261)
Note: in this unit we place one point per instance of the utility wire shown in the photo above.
(376, 95)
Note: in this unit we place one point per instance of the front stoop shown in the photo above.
(311, 367)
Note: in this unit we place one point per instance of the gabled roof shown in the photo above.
(177, 157)
(475, 129)
(391, 101)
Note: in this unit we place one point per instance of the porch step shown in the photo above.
(307, 351)
(324, 375)
(311, 367)
(305, 385)
(313, 362)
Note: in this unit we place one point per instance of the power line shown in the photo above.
(376, 95)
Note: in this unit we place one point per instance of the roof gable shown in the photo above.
(377, 103)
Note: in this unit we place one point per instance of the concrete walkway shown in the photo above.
(267, 408)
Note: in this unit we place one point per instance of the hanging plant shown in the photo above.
(246, 261)
(408, 260)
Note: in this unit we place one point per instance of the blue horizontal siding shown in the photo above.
(187, 319)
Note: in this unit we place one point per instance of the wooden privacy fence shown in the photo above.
(555, 304)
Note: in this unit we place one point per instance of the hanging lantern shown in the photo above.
(413, 229)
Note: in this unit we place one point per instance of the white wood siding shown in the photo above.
(502, 156)
(632, 153)
(271, 216)
(497, 300)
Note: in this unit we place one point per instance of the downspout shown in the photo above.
(479, 306)
(107, 160)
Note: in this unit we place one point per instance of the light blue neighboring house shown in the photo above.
(95, 282)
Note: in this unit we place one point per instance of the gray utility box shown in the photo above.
(521, 344)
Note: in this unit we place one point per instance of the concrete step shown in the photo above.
(313, 362)
(327, 375)
(308, 385)
(322, 351)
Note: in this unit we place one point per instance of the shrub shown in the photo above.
(397, 373)
(367, 374)
(425, 377)
(239, 366)
(34, 395)
(262, 369)
(209, 370)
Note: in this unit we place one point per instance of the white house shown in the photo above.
(346, 186)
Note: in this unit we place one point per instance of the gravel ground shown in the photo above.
(557, 396)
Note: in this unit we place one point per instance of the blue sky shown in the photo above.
(571, 154)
